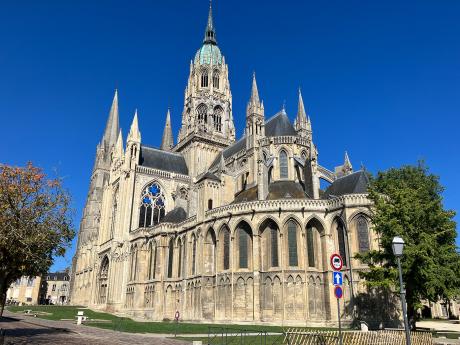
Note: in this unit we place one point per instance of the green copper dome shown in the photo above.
(208, 54)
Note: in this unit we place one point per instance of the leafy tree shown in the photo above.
(35, 223)
(408, 203)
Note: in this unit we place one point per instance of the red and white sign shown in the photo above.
(336, 262)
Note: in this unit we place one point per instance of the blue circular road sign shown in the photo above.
(338, 292)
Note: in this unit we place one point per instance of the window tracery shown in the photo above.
(152, 208)
(217, 117)
(284, 172)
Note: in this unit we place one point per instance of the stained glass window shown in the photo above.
(363, 234)
(226, 248)
(217, 117)
(202, 113)
(292, 243)
(341, 239)
(274, 245)
(170, 258)
(243, 247)
(311, 246)
(284, 172)
(152, 208)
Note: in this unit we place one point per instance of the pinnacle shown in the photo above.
(301, 114)
(167, 141)
(112, 127)
(254, 91)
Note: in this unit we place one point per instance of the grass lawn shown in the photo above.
(124, 324)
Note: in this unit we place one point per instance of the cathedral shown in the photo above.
(214, 228)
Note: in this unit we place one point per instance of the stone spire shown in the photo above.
(254, 91)
(346, 163)
(210, 33)
(119, 145)
(302, 122)
(167, 141)
(255, 116)
(134, 133)
(112, 127)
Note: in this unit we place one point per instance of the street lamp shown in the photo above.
(398, 246)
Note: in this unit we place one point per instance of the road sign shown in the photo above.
(336, 262)
(337, 278)
(338, 292)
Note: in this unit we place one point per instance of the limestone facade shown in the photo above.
(216, 229)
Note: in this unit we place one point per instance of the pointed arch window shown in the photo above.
(179, 262)
(311, 246)
(170, 257)
(113, 216)
(217, 117)
(204, 78)
(363, 234)
(274, 246)
(152, 208)
(215, 79)
(341, 242)
(244, 236)
(202, 113)
(284, 171)
(226, 248)
(153, 260)
(292, 243)
(193, 254)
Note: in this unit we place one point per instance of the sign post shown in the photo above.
(337, 280)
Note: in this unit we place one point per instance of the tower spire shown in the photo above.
(254, 91)
(302, 121)
(112, 127)
(167, 141)
(210, 33)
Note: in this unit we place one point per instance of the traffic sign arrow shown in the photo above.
(337, 278)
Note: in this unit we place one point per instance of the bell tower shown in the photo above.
(207, 120)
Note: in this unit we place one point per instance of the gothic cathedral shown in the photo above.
(218, 228)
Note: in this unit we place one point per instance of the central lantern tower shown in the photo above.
(207, 121)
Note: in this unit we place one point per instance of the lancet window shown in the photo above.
(217, 117)
(292, 243)
(204, 78)
(215, 79)
(363, 234)
(202, 113)
(341, 242)
(152, 208)
(284, 172)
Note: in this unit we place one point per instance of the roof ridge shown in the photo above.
(163, 151)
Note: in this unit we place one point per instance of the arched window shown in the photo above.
(153, 260)
(209, 256)
(193, 254)
(226, 248)
(179, 262)
(113, 216)
(244, 242)
(103, 280)
(202, 113)
(311, 246)
(341, 242)
(204, 78)
(269, 236)
(215, 79)
(217, 117)
(170, 257)
(363, 234)
(274, 246)
(284, 172)
(292, 243)
(210, 204)
(152, 208)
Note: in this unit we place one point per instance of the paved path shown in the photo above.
(440, 325)
(22, 330)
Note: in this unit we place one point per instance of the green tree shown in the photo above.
(408, 203)
(35, 223)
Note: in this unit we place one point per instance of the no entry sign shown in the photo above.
(338, 292)
(336, 262)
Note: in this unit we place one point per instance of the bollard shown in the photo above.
(80, 317)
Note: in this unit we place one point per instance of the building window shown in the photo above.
(202, 113)
(226, 248)
(217, 117)
(215, 79)
(170, 258)
(341, 240)
(193, 254)
(113, 216)
(243, 248)
(292, 243)
(152, 208)
(204, 78)
(363, 234)
(311, 246)
(274, 246)
(54, 287)
(179, 263)
(284, 172)
(210, 204)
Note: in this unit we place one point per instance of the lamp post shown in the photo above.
(398, 246)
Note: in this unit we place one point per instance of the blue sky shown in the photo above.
(380, 79)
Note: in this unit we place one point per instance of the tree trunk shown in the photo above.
(412, 317)
(2, 301)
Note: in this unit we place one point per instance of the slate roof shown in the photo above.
(57, 276)
(277, 125)
(209, 176)
(176, 215)
(285, 190)
(162, 160)
(355, 183)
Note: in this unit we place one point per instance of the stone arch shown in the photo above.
(209, 251)
(292, 230)
(319, 220)
(224, 248)
(104, 279)
(270, 244)
(340, 234)
(283, 163)
(278, 298)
